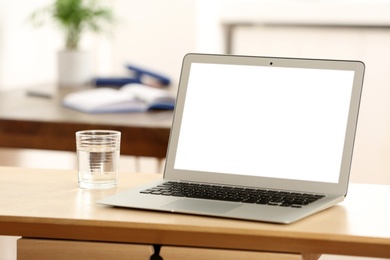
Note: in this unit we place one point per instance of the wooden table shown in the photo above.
(47, 204)
(43, 123)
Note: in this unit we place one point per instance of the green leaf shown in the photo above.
(75, 17)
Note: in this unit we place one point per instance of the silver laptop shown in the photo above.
(257, 138)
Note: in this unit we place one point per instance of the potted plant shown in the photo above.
(75, 18)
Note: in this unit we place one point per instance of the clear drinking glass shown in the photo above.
(98, 158)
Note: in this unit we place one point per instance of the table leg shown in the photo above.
(156, 254)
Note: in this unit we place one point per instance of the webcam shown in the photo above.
(271, 63)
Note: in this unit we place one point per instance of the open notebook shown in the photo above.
(257, 138)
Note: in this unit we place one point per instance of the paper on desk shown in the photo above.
(129, 98)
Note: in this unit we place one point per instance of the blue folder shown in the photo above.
(139, 73)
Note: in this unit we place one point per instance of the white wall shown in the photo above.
(26, 53)
(1, 40)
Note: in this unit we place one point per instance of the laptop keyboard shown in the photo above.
(236, 194)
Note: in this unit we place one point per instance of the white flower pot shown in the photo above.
(74, 68)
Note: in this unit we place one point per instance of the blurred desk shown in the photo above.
(43, 123)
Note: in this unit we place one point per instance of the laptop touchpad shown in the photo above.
(198, 206)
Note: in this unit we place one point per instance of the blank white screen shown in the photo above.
(287, 123)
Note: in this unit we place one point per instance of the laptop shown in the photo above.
(256, 138)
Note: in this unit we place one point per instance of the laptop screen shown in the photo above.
(267, 121)
(280, 123)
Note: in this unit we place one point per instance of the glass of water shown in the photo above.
(98, 158)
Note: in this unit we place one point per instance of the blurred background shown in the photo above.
(156, 34)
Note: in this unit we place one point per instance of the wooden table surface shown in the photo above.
(43, 123)
(48, 204)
